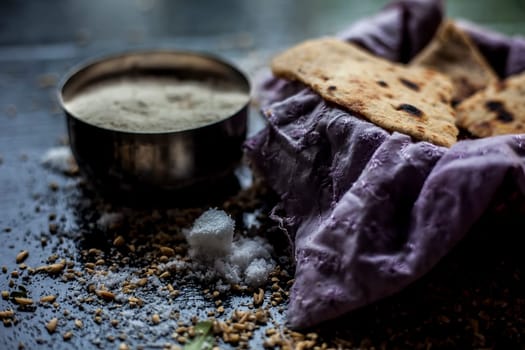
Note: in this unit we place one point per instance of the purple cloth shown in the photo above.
(370, 212)
(506, 55)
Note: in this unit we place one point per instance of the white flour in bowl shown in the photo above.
(156, 104)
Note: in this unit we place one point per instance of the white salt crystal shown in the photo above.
(246, 261)
(256, 274)
(108, 220)
(211, 234)
(58, 158)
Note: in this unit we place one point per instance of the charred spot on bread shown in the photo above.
(499, 108)
(382, 83)
(409, 84)
(410, 109)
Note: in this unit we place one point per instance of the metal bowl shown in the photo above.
(152, 163)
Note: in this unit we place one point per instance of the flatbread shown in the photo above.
(452, 53)
(411, 100)
(498, 109)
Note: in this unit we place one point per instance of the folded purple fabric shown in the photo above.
(369, 211)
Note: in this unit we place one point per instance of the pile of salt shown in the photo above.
(246, 261)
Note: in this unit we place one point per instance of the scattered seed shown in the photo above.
(7, 314)
(23, 301)
(258, 298)
(182, 340)
(52, 268)
(119, 241)
(51, 326)
(104, 294)
(167, 251)
(68, 335)
(20, 257)
(79, 323)
(155, 318)
(48, 299)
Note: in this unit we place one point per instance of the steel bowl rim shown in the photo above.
(92, 61)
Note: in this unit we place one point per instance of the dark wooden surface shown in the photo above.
(41, 40)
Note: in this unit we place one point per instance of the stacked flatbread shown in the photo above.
(496, 110)
(448, 85)
(412, 100)
(452, 53)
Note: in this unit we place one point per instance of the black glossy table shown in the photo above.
(475, 298)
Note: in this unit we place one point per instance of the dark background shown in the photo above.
(41, 40)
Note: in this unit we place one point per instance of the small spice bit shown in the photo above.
(51, 326)
(79, 323)
(142, 282)
(114, 322)
(90, 265)
(258, 298)
(104, 294)
(68, 335)
(52, 268)
(22, 266)
(15, 274)
(23, 301)
(94, 251)
(20, 257)
(119, 241)
(134, 301)
(48, 299)
(181, 330)
(5, 294)
(53, 228)
(7, 314)
(100, 262)
(155, 319)
(123, 346)
(53, 186)
(167, 251)
(165, 274)
(232, 338)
